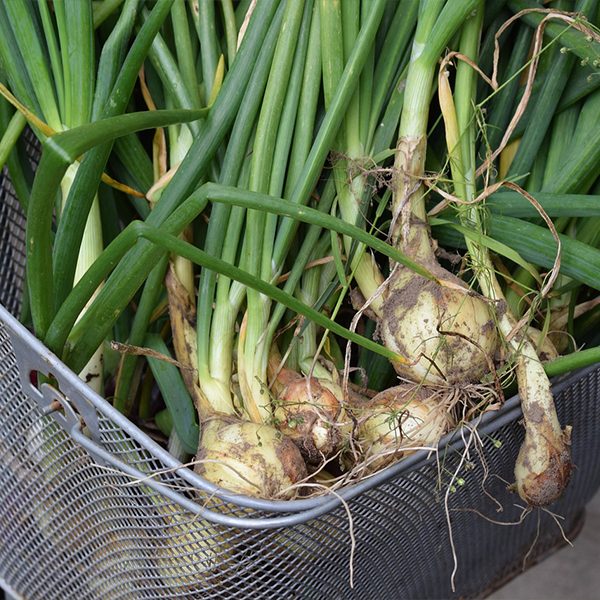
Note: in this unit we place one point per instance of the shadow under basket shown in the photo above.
(81, 518)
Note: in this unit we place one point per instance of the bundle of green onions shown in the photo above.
(301, 240)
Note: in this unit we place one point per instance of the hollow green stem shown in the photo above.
(132, 271)
(215, 329)
(168, 242)
(150, 294)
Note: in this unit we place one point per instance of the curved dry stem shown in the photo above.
(538, 41)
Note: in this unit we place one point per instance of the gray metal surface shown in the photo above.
(77, 522)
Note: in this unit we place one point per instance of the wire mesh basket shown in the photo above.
(91, 507)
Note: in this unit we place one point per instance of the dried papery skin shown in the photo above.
(182, 312)
(309, 413)
(248, 458)
(398, 421)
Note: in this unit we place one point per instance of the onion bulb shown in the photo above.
(308, 412)
(248, 458)
(307, 409)
(399, 421)
(543, 468)
(418, 312)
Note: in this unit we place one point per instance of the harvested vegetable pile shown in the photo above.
(298, 241)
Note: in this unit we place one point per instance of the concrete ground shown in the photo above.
(572, 573)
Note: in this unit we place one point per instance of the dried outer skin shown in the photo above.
(310, 420)
(182, 313)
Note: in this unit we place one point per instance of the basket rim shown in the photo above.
(296, 511)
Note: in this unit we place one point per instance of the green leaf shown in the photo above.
(174, 393)
(117, 75)
(512, 204)
(537, 245)
(128, 238)
(60, 150)
(35, 59)
(337, 257)
(490, 243)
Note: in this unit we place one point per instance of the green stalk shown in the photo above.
(103, 10)
(74, 20)
(171, 77)
(384, 135)
(89, 251)
(204, 20)
(395, 44)
(17, 161)
(588, 119)
(570, 37)
(582, 83)
(311, 238)
(113, 89)
(177, 398)
(307, 107)
(261, 230)
(329, 127)
(579, 169)
(55, 60)
(230, 29)
(563, 129)
(365, 85)
(35, 59)
(185, 57)
(79, 51)
(420, 72)
(337, 49)
(132, 271)
(215, 331)
(309, 294)
(14, 66)
(287, 132)
(132, 155)
(60, 150)
(572, 362)
(543, 467)
(434, 29)
(340, 45)
(153, 287)
(11, 135)
(563, 134)
(541, 117)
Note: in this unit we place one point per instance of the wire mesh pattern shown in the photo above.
(12, 231)
(12, 249)
(72, 527)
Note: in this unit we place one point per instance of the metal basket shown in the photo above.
(91, 507)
